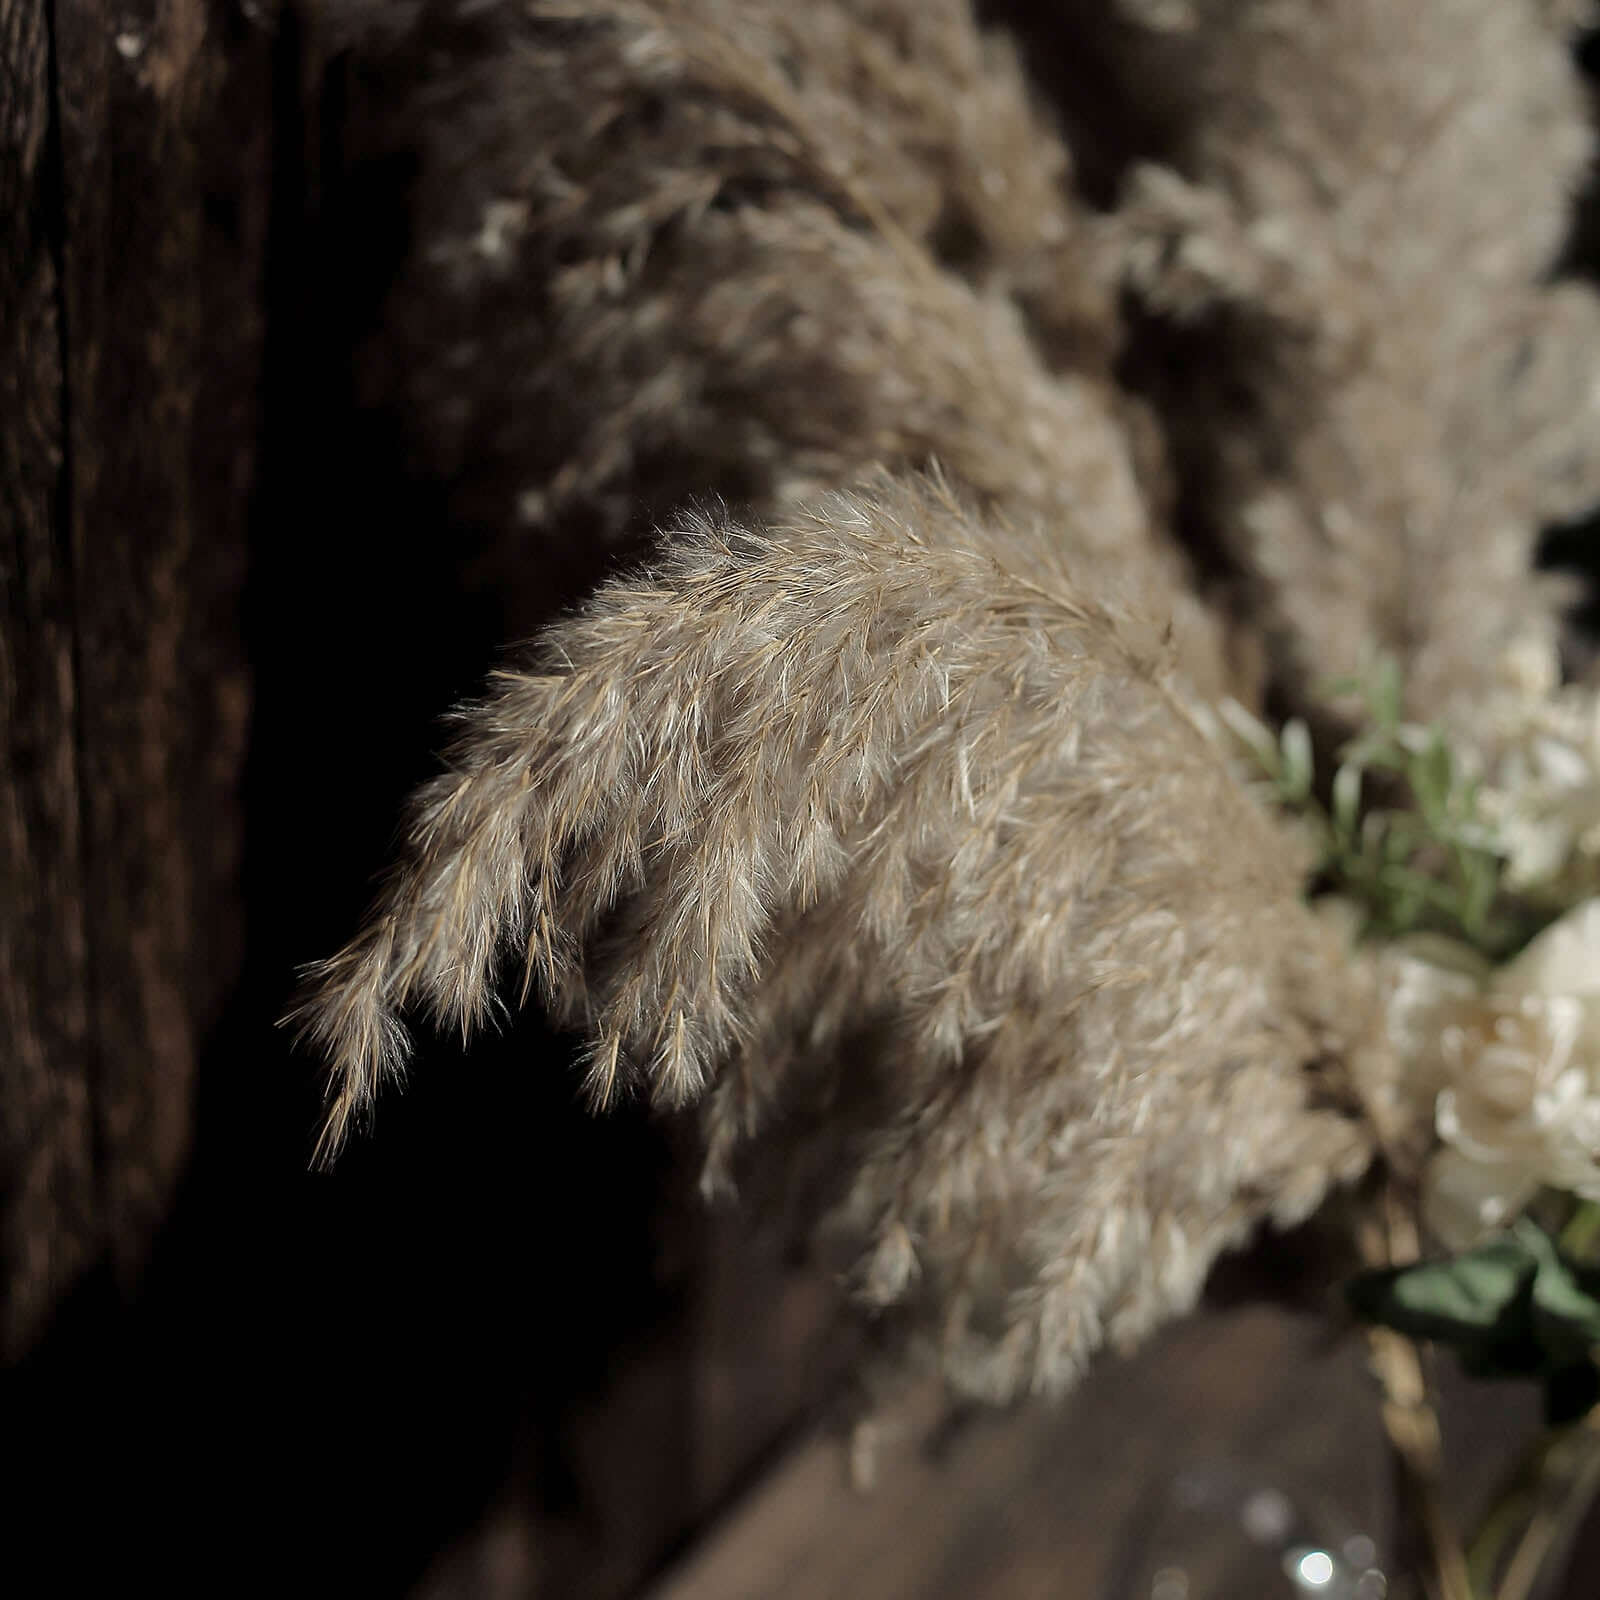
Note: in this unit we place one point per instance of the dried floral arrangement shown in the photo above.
(1084, 767)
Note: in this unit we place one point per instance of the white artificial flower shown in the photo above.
(1512, 1056)
(1538, 753)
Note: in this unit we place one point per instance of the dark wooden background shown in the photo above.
(233, 618)
(502, 1350)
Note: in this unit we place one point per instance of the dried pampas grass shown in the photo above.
(1310, 359)
(1376, 385)
(673, 251)
(868, 816)
(850, 796)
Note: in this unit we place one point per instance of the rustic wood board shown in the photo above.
(134, 191)
(1047, 1500)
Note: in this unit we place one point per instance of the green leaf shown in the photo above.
(1296, 773)
(1455, 1301)
(1347, 798)
(1565, 1311)
(1253, 733)
(1338, 688)
(1430, 862)
(1432, 774)
(1376, 752)
(1386, 693)
(1580, 1236)
(1513, 1307)
(1481, 880)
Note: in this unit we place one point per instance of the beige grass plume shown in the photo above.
(1376, 382)
(868, 817)
(850, 775)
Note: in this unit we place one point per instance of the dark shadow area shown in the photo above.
(323, 1378)
(1573, 547)
(1121, 93)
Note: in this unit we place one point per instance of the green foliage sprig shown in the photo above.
(1424, 858)
(1399, 831)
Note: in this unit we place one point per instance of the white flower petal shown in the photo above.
(1562, 765)
(1564, 959)
(1462, 1199)
(1535, 849)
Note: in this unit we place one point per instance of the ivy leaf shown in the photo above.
(1514, 1307)
(1566, 1312)
(1466, 1300)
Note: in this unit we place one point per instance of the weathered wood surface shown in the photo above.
(1058, 1501)
(47, 1226)
(133, 198)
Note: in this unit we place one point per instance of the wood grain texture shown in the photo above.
(1060, 1501)
(47, 1225)
(133, 197)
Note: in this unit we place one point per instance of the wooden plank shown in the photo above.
(165, 123)
(47, 1224)
(133, 199)
(1054, 1501)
